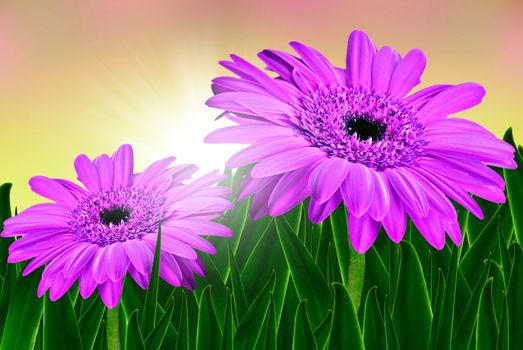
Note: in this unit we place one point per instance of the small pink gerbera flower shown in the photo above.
(99, 233)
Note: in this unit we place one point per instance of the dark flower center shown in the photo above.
(115, 215)
(365, 127)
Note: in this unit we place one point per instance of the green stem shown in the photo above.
(113, 329)
(356, 277)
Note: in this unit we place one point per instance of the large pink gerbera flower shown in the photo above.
(353, 135)
(100, 233)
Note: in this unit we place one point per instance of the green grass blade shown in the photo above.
(303, 337)
(208, 335)
(514, 293)
(373, 325)
(134, 338)
(514, 181)
(60, 326)
(487, 327)
(157, 336)
(229, 328)
(412, 312)
(151, 296)
(240, 298)
(345, 330)
(338, 223)
(308, 279)
(90, 323)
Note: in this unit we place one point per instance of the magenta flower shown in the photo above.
(353, 135)
(100, 233)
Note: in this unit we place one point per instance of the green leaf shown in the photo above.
(182, 342)
(251, 325)
(90, 323)
(268, 341)
(240, 298)
(303, 334)
(390, 332)
(151, 297)
(514, 293)
(338, 221)
(308, 279)
(465, 330)
(482, 247)
(513, 181)
(503, 336)
(100, 342)
(229, 328)
(208, 335)
(411, 313)
(134, 338)
(155, 339)
(23, 315)
(345, 330)
(443, 322)
(5, 213)
(373, 325)
(321, 333)
(60, 326)
(487, 327)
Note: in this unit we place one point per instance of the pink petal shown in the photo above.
(395, 222)
(248, 133)
(407, 73)
(381, 202)
(87, 172)
(110, 293)
(362, 232)
(52, 189)
(287, 161)
(116, 261)
(327, 178)
(290, 190)
(140, 255)
(358, 189)
(317, 63)
(105, 168)
(409, 191)
(319, 211)
(360, 54)
(383, 66)
(123, 166)
(452, 100)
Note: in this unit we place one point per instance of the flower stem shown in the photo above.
(356, 277)
(113, 329)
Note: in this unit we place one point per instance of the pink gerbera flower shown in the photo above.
(354, 136)
(99, 233)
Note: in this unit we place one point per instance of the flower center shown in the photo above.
(360, 125)
(115, 215)
(365, 128)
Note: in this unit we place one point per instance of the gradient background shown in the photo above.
(86, 76)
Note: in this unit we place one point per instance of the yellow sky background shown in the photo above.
(86, 76)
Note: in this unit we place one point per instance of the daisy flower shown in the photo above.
(355, 135)
(98, 233)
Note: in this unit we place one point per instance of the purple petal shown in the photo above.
(319, 212)
(52, 189)
(431, 228)
(381, 202)
(110, 293)
(170, 270)
(105, 168)
(140, 256)
(116, 261)
(327, 178)
(277, 65)
(358, 189)
(87, 284)
(87, 172)
(247, 134)
(294, 65)
(98, 263)
(153, 171)
(191, 239)
(289, 191)
(141, 280)
(407, 73)
(452, 100)
(395, 223)
(409, 191)
(228, 84)
(270, 85)
(383, 67)
(173, 246)
(60, 286)
(76, 262)
(202, 227)
(123, 166)
(360, 54)
(260, 200)
(454, 232)
(265, 149)
(270, 108)
(317, 63)
(287, 161)
(421, 97)
(362, 232)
